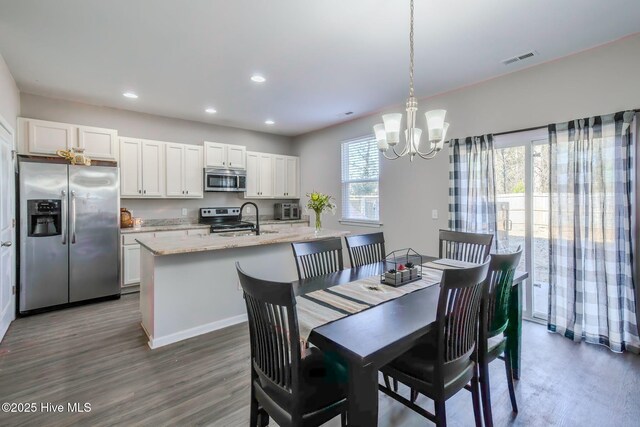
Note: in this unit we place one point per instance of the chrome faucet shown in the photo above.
(257, 215)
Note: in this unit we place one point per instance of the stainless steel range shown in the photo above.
(224, 220)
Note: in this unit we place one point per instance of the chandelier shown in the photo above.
(388, 134)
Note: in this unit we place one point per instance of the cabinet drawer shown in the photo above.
(130, 239)
(198, 232)
(173, 233)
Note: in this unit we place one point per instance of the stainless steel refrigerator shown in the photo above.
(69, 232)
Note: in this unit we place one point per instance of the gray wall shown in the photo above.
(598, 81)
(9, 95)
(140, 125)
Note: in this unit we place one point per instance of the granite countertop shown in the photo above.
(214, 242)
(187, 226)
(151, 228)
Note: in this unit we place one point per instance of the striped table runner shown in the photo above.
(327, 305)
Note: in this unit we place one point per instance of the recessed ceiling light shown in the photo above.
(210, 110)
(258, 78)
(130, 95)
(269, 122)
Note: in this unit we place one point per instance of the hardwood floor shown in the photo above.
(98, 354)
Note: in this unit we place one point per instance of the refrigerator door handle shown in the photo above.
(73, 217)
(64, 217)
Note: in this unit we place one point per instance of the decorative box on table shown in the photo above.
(402, 266)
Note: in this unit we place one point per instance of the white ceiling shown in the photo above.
(321, 58)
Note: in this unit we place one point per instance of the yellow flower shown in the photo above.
(315, 196)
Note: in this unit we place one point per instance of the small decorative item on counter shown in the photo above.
(137, 222)
(402, 266)
(126, 220)
(319, 203)
(75, 156)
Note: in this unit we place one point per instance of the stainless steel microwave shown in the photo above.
(225, 180)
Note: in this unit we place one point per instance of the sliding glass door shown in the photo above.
(522, 196)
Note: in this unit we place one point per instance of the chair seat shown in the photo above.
(420, 361)
(324, 383)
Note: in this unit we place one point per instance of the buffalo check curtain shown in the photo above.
(472, 188)
(592, 289)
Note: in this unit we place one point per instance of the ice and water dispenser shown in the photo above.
(45, 217)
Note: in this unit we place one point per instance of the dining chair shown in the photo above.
(462, 246)
(294, 386)
(365, 248)
(318, 257)
(494, 322)
(441, 367)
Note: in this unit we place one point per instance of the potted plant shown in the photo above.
(320, 203)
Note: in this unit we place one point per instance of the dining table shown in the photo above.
(371, 338)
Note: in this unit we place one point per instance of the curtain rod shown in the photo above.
(637, 110)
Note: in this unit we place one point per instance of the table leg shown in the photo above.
(363, 396)
(514, 330)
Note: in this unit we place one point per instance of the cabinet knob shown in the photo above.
(144, 192)
(6, 244)
(187, 191)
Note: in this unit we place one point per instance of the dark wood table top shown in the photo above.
(373, 336)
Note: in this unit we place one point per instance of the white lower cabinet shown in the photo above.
(130, 264)
(130, 261)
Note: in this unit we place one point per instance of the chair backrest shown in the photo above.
(274, 333)
(497, 291)
(458, 314)
(365, 248)
(318, 257)
(461, 246)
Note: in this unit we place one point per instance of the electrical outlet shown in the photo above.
(434, 214)
(184, 211)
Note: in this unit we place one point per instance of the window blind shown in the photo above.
(360, 180)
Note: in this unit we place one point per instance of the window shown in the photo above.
(360, 176)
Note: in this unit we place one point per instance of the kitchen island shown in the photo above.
(189, 285)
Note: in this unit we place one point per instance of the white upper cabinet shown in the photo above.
(225, 156)
(98, 143)
(215, 155)
(260, 169)
(184, 170)
(286, 177)
(130, 167)
(236, 156)
(175, 170)
(141, 168)
(152, 168)
(194, 171)
(272, 176)
(44, 138)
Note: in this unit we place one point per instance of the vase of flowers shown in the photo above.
(320, 203)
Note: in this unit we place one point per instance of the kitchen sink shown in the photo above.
(245, 233)
(236, 234)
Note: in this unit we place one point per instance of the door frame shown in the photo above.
(9, 316)
(527, 139)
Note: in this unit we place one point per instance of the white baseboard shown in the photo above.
(194, 332)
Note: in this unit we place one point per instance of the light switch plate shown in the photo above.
(184, 211)
(434, 214)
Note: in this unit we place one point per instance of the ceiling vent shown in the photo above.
(519, 58)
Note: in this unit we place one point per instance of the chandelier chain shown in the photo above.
(411, 53)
